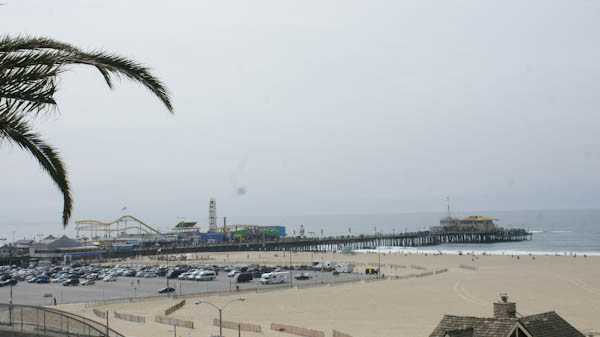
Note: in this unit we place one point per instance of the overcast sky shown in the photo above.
(317, 107)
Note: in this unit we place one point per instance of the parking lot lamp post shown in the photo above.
(221, 312)
(167, 254)
(378, 262)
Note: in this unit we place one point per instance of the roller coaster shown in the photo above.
(119, 225)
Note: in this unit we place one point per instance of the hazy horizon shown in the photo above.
(315, 108)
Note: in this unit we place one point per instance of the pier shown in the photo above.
(414, 239)
(315, 244)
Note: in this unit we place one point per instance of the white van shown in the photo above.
(329, 264)
(206, 275)
(344, 268)
(274, 278)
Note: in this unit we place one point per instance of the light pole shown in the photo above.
(378, 262)
(221, 312)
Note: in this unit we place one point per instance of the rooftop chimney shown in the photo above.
(504, 308)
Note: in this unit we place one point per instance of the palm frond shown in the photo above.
(29, 70)
(15, 129)
(29, 52)
(110, 64)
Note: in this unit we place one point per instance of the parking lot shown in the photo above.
(128, 287)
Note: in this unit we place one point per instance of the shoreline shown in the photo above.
(501, 252)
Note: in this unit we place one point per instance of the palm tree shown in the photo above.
(29, 71)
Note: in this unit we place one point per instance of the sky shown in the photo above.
(315, 107)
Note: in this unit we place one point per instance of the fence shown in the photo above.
(429, 273)
(299, 331)
(173, 321)
(174, 308)
(99, 313)
(131, 318)
(417, 267)
(464, 266)
(339, 334)
(241, 326)
(26, 318)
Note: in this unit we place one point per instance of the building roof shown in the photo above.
(184, 224)
(50, 238)
(477, 218)
(549, 324)
(53, 243)
(481, 327)
(460, 333)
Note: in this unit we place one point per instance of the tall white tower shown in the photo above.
(212, 215)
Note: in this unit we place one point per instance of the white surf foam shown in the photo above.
(430, 251)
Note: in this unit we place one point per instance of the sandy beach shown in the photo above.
(392, 307)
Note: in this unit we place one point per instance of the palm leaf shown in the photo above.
(15, 129)
(29, 70)
(31, 52)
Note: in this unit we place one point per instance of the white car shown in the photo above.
(109, 278)
(233, 273)
(207, 275)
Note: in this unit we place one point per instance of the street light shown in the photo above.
(220, 312)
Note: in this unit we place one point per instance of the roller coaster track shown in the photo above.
(95, 225)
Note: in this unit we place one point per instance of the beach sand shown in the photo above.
(403, 307)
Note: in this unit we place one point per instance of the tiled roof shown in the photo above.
(549, 324)
(482, 327)
(460, 333)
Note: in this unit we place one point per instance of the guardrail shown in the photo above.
(27, 318)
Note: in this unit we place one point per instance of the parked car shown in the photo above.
(303, 276)
(71, 282)
(166, 290)
(87, 282)
(207, 275)
(243, 277)
(109, 278)
(42, 279)
(174, 274)
(10, 281)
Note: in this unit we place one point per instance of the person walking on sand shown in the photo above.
(54, 298)
(138, 282)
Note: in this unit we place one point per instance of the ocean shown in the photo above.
(554, 231)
